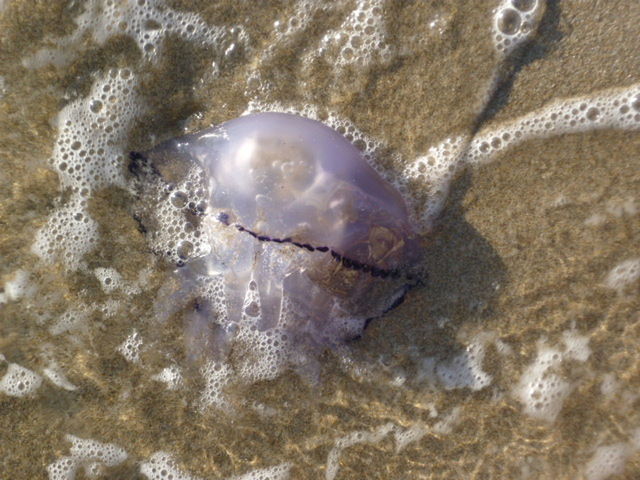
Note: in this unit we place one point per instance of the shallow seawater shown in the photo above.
(518, 359)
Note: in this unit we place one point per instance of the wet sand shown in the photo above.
(521, 252)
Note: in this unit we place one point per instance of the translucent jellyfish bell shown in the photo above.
(306, 238)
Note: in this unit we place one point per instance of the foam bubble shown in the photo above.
(56, 375)
(514, 23)
(607, 460)
(163, 466)
(89, 454)
(353, 438)
(217, 376)
(541, 389)
(19, 381)
(409, 435)
(623, 275)
(130, 348)
(87, 156)
(147, 22)
(360, 39)
(615, 108)
(18, 285)
(171, 376)
(465, 370)
(109, 278)
(576, 345)
(73, 319)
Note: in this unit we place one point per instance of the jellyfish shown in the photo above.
(305, 241)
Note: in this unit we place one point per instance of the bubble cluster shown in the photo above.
(410, 435)
(163, 466)
(19, 381)
(147, 22)
(217, 376)
(616, 108)
(87, 156)
(465, 370)
(58, 378)
(179, 206)
(354, 438)
(17, 286)
(360, 39)
(401, 436)
(515, 22)
(623, 274)
(608, 460)
(130, 348)
(541, 389)
(434, 173)
(72, 320)
(91, 455)
(171, 376)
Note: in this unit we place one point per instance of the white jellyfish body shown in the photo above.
(306, 239)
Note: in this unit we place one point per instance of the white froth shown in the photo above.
(576, 346)
(401, 436)
(147, 22)
(52, 371)
(217, 376)
(409, 435)
(92, 455)
(541, 389)
(18, 286)
(267, 351)
(615, 108)
(353, 438)
(74, 319)
(88, 155)
(130, 348)
(175, 234)
(607, 460)
(610, 385)
(19, 381)
(360, 39)
(465, 370)
(446, 425)
(514, 23)
(59, 379)
(171, 376)
(435, 171)
(623, 275)
(109, 278)
(163, 466)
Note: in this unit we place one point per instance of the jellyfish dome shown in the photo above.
(305, 240)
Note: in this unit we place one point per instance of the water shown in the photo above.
(520, 260)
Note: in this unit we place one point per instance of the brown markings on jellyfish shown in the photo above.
(345, 261)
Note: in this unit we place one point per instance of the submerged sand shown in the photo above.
(521, 254)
